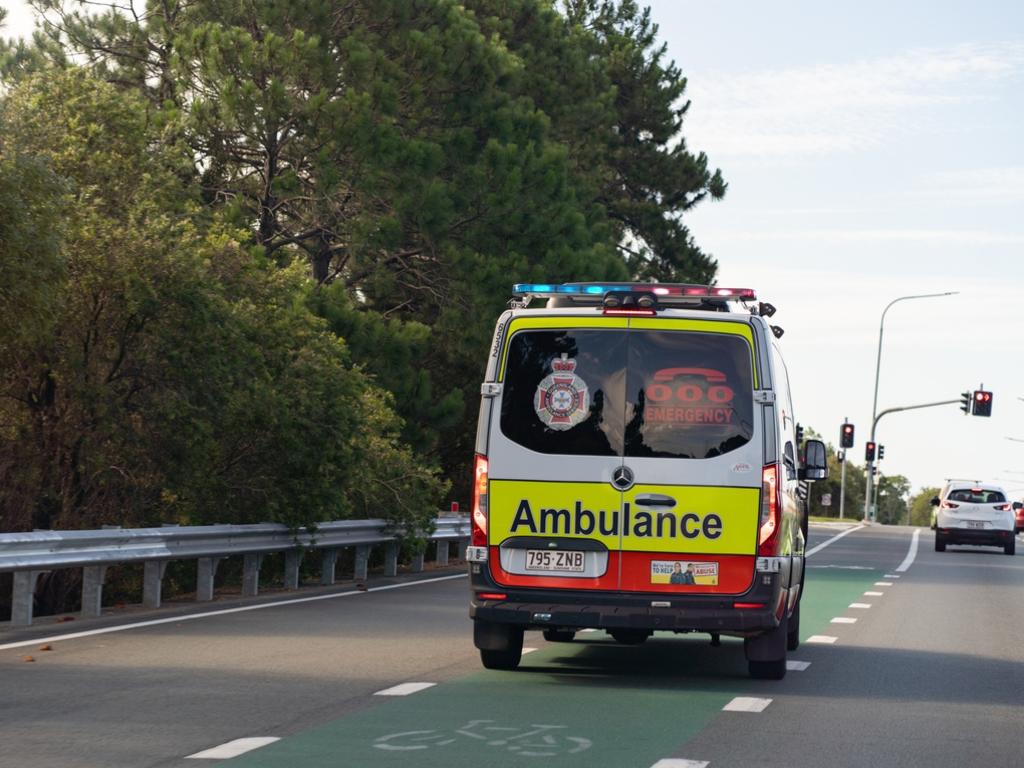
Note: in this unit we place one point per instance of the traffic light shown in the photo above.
(799, 435)
(965, 402)
(874, 471)
(982, 403)
(846, 436)
(869, 451)
(881, 452)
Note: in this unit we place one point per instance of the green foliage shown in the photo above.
(921, 509)
(181, 376)
(416, 157)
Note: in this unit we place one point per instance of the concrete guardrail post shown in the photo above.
(463, 544)
(251, 574)
(206, 571)
(292, 561)
(417, 562)
(23, 597)
(328, 562)
(153, 583)
(442, 552)
(362, 562)
(391, 559)
(93, 577)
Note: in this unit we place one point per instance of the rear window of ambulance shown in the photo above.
(591, 392)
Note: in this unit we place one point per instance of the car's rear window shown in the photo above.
(973, 496)
(614, 392)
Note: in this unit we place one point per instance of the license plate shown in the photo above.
(554, 560)
(975, 524)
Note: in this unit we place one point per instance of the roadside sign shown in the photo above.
(826, 499)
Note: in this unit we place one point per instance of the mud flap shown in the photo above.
(490, 636)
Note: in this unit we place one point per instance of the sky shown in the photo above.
(873, 150)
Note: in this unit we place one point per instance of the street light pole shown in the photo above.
(869, 486)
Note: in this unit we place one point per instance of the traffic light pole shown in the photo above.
(842, 485)
(878, 367)
(870, 464)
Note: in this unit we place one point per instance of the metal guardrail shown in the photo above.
(28, 555)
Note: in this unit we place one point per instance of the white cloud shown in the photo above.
(983, 185)
(826, 109)
(933, 236)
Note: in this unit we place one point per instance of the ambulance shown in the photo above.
(638, 470)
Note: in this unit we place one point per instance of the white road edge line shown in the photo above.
(678, 762)
(834, 539)
(223, 612)
(234, 748)
(404, 689)
(911, 553)
(747, 704)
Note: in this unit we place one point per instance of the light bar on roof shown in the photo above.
(659, 289)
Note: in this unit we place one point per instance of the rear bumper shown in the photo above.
(572, 609)
(995, 538)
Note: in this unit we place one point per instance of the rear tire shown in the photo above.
(559, 635)
(940, 543)
(500, 645)
(629, 636)
(506, 660)
(767, 670)
(766, 654)
(1011, 548)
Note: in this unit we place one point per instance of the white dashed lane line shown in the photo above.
(822, 639)
(528, 650)
(797, 666)
(860, 606)
(233, 748)
(874, 594)
(883, 583)
(843, 620)
(678, 762)
(747, 704)
(404, 689)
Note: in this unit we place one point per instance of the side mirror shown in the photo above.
(815, 464)
(934, 501)
(1017, 505)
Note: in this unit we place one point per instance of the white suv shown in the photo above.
(969, 512)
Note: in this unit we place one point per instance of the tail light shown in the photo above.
(949, 505)
(479, 534)
(771, 511)
(1002, 507)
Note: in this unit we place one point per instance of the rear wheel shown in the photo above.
(940, 543)
(1011, 547)
(767, 670)
(559, 635)
(766, 654)
(500, 645)
(630, 636)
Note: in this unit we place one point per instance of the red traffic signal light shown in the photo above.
(869, 451)
(982, 403)
(846, 436)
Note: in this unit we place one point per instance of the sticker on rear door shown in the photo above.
(563, 400)
(684, 572)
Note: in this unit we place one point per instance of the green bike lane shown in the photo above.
(592, 702)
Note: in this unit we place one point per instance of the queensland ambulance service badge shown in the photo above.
(562, 397)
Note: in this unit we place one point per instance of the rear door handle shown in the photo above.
(654, 500)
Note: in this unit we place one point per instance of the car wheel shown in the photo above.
(1011, 547)
(629, 636)
(559, 635)
(767, 670)
(501, 659)
(940, 543)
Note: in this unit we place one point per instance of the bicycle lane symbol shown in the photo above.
(532, 741)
